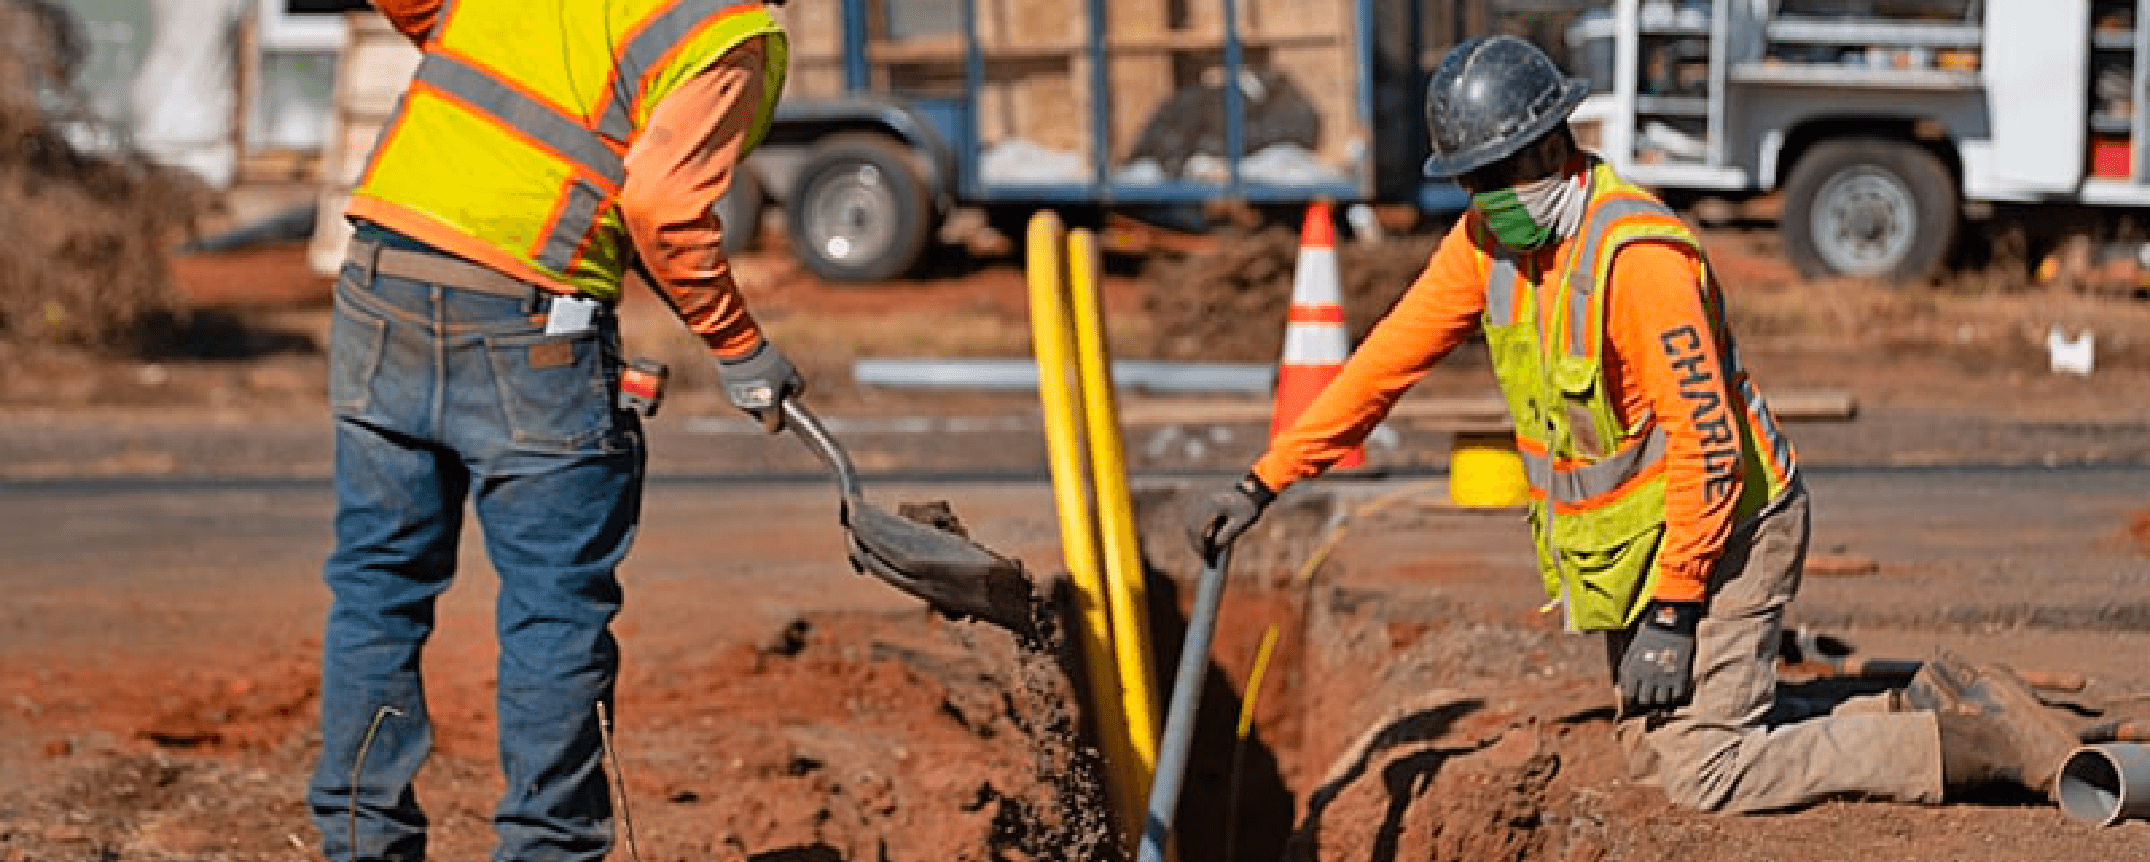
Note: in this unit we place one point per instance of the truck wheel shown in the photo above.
(860, 212)
(1869, 207)
(740, 210)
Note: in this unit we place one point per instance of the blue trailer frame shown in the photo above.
(951, 119)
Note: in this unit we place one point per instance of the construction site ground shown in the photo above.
(164, 516)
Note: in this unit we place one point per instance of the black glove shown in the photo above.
(759, 382)
(1658, 671)
(1217, 520)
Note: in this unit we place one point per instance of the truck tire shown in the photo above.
(740, 211)
(860, 211)
(1869, 207)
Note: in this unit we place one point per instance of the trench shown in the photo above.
(1370, 737)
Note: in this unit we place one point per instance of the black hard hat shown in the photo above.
(1490, 96)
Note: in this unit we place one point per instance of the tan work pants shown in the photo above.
(1716, 753)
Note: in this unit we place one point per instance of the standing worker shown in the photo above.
(541, 151)
(1666, 505)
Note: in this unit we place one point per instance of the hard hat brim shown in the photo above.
(1572, 93)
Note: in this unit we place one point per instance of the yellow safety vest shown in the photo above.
(508, 147)
(1597, 508)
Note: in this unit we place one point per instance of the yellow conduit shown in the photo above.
(1124, 586)
(1052, 336)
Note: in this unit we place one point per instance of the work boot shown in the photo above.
(1992, 728)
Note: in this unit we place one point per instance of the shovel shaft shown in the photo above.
(817, 438)
(1179, 714)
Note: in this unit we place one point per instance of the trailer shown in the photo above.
(1886, 126)
(900, 113)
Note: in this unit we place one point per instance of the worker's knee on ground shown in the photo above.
(1701, 783)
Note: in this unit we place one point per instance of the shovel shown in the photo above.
(953, 574)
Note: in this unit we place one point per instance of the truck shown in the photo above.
(899, 115)
(1884, 129)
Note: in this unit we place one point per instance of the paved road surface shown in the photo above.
(2038, 556)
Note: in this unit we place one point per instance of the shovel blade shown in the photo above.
(951, 573)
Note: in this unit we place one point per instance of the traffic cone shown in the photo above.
(1315, 344)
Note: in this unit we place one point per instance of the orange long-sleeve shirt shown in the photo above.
(1662, 360)
(677, 165)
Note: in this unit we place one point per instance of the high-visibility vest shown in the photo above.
(1597, 486)
(508, 147)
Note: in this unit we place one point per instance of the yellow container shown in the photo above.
(1485, 472)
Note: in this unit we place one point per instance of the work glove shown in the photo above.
(1215, 521)
(759, 383)
(1658, 671)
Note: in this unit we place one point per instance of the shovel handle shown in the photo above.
(804, 423)
(1180, 713)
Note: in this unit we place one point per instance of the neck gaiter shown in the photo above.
(1526, 217)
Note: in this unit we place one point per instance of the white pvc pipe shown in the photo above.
(2105, 784)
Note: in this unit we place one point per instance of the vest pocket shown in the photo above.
(1604, 570)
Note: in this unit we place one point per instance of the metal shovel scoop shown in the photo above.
(953, 574)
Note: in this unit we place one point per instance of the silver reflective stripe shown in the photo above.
(1781, 453)
(562, 134)
(440, 19)
(1500, 289)
(1577, 486)
(642, 53)
(1583, 278)
(577, 215)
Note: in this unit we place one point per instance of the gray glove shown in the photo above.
(759, 382)
(1216, 521)
(1658, 671)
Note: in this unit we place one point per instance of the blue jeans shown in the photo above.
(441, 394)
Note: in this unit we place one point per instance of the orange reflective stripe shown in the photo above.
(441, 235)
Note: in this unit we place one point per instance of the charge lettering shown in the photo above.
(1720, 455)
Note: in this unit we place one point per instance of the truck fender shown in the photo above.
(799, 123)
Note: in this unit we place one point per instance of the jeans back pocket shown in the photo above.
(552, 390)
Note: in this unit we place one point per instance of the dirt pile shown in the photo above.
(85, 262)
(1228, 304)
(861, 739)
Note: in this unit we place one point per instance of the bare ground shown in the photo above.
(157, 703)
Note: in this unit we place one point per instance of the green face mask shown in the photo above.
(1510, 219)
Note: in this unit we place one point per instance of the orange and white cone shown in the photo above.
(1315, 343)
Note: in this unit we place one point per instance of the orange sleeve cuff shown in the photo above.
(1687, 583)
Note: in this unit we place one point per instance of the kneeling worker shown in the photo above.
(1667, 506)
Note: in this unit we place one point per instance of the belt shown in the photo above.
(440, 269)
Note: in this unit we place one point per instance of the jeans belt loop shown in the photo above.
(373, 262)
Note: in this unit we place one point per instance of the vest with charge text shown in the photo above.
(1597, 486)
(508, 147)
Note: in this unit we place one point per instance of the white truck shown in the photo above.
(1885, 125)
